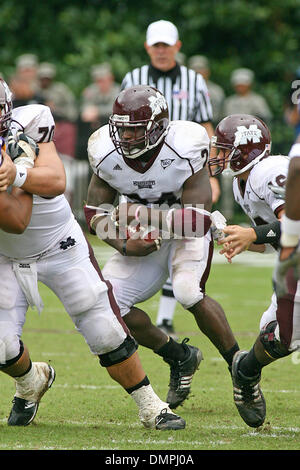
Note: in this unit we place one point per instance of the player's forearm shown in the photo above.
(45, 181)
(103, 227)
(15, 213)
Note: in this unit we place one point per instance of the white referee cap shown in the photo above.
(242, 77)
(162, 31)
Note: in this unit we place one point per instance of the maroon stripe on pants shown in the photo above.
(285, 311)
(113, 303)
(204, 278)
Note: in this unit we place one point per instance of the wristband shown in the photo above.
(124, 251)
(267, 233)
(21, 175)
(290, 232)
(93, 220)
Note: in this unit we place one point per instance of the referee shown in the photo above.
(187, 97)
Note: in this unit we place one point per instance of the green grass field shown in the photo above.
(86, 410)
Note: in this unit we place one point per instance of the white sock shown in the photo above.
(166, 309)
(149, 404)
(33, 385)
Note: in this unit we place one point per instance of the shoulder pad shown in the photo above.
(99, 145)
(190, 141)
(270, 175)
(35, 120)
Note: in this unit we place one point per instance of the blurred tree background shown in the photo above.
(263, 35)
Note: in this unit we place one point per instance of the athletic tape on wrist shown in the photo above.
(21, 175)
(290, 231)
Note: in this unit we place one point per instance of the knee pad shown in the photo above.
(186, 287)
(123, 352)
(270, 340)
(102, 330)
(11, 349)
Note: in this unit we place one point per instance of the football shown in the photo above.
(149, 234)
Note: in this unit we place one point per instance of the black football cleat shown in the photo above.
(168, 421)
(181, 375)
(247, 395)
(25, 409)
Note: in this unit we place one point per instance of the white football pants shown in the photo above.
(71, 272)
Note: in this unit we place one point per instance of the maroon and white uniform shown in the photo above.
(53, 250)
(261, 202)
(187, 261)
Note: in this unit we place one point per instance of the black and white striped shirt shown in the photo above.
(184, 89)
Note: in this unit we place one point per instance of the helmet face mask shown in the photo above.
(242, 140)
(139, 121)
(136, 139)
(5, 108)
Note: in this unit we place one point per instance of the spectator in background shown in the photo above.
(180, 58)
(23, 84)
(27, 69)
(62, 102)
(98, 98)
(96, 104)
(200, 64)
(23, 92)
(246, 101)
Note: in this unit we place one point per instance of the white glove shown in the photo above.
(22, 149)
(218, 222)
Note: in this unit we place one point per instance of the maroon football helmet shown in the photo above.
(242, 140)
(142, 112)
(5, 107)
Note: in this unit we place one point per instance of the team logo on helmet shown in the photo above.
(157, 103)
(243, 135)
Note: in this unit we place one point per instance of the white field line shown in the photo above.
(88, 387)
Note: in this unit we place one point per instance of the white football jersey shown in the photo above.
(51, 218)
(184, 152)
(260, 199)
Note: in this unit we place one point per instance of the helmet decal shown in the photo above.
(244, 135)
(157, 103)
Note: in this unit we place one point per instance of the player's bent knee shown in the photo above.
(269, 337)
(123, 352)
(102, 331)
(186, 288)
(11, 349)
